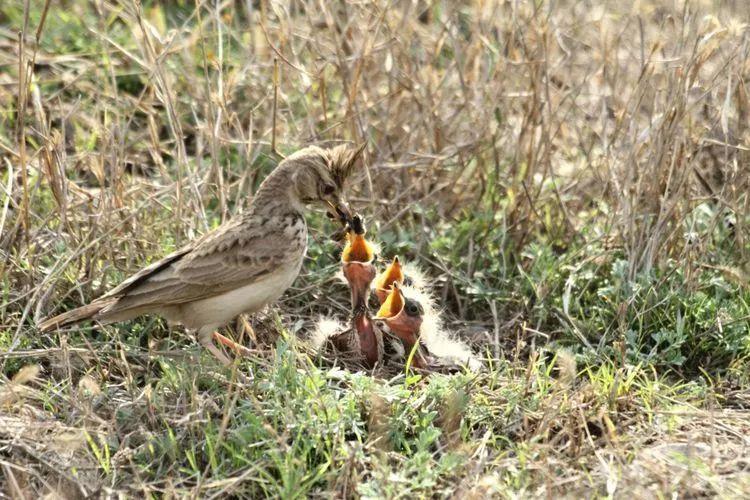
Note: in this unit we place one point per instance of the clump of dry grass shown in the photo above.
(568, 174)
(627, 122)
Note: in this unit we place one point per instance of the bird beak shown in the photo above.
(339, 210)
(393, 274)
(357, 249)
(393, 305)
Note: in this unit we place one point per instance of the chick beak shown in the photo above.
(393, 274)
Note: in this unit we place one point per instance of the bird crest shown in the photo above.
(342, 160)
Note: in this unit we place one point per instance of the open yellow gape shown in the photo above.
(392, 305)
(383, 283)
(357, 248)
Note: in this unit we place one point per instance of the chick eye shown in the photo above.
(412, 309)
(328, 189)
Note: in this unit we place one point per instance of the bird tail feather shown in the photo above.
(76, 315)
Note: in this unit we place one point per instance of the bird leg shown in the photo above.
(206, 340)
(236, 347)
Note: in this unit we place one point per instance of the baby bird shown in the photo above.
(393, 274)
(408, 314)
(363, 339)
(357, 263)
(239, 267)
(343, 341)
(403, 317)
(360, 342)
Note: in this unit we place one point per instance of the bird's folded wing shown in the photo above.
(221, 261)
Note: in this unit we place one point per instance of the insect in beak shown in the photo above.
(340, 212)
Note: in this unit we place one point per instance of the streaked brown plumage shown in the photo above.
(240, 266)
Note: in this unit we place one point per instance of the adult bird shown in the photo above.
(242, 265)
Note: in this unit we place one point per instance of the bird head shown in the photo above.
(357, 248)
(357, 258)
(320, 176)
(401, 314)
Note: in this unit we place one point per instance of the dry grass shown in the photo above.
(571, 176)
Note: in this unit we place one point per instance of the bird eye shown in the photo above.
(329, 189)
(412, 308)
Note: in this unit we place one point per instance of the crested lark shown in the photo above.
(240, 266)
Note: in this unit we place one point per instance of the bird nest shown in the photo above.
(394, 323)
